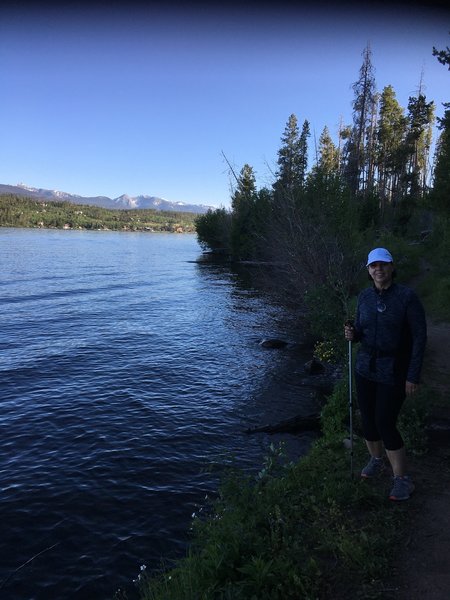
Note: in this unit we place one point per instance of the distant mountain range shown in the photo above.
(121, 203)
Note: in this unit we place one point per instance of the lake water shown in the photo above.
(128, 367)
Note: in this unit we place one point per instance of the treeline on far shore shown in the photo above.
(16, 211)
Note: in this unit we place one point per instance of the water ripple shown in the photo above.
(127, 369)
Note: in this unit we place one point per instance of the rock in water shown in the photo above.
(314, 367)
(273, 343)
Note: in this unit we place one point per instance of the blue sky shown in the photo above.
(115, 98)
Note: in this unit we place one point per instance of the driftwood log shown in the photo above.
(293, 425)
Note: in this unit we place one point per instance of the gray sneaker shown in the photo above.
(374, 467)
(403, 488)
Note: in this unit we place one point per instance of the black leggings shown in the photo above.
(380, 405)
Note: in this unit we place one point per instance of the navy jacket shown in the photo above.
(392, 329)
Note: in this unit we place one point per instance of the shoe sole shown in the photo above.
(397, 499)
(364, 476)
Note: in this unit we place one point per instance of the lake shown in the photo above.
(129, 366)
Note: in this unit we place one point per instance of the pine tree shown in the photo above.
(364, 107)
(344, 148)
(328, 161)
(391, 134)
(417, 145)
(371, 146)
(213, 230)
(441, 190)
(443, 56)
(292, 159)
(302, 157)
(243, 203)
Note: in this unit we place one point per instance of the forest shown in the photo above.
(17, 211)
(386, 182)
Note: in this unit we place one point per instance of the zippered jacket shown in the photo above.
(392, 329)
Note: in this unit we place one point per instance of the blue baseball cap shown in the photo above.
(379, 254)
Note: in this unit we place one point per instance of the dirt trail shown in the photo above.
(422, 568)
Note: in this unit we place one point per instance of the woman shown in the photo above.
(391, 326)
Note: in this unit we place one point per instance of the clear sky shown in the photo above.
(121, 98)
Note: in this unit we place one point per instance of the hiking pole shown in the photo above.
(349, 323)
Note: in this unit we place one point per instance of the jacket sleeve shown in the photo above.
(415, 315)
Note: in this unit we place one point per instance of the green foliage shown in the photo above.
(392, 126)
(292, 159)
(214, 230)
(440, 195)
(243, 204)
(326, 351)
(369, 212)
(322, 308)
(335, 414)
(357, 170)
(443, 56)
(17, 211)
(315, 242)
(328, 162)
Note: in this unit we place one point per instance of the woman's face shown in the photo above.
(381, 273)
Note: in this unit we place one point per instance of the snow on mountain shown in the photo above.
(126, 201)
(26, 187)
(123, 202)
